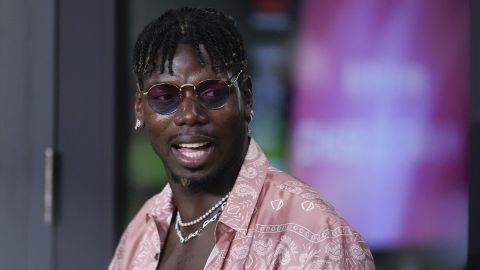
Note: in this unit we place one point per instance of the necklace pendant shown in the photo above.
(194, 234)
(217, 209)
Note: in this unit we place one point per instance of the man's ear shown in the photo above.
(247, 95)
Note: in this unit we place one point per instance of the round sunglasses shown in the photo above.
(164, 98)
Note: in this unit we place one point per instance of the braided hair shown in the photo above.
(196, 26)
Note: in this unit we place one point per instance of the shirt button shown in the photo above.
(157, 256)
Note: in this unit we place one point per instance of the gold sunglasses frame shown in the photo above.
(228, 82)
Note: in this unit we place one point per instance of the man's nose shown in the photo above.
(190, 112)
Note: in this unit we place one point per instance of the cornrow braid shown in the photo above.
(196, 26)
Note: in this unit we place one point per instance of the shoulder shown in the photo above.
(139, 228)
(285, 190)
(285, 199)
(292, 216)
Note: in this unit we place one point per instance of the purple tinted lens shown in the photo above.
(164, 98)
(213, 94)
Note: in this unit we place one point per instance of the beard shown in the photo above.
(206, 183)
(218, 182)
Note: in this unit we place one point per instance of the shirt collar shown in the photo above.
(243, 198)
(161, 204)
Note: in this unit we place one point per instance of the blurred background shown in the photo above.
(372, 103)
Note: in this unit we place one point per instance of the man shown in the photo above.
(224, 206)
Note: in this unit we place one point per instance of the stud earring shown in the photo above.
(138, 125)
(249, 128)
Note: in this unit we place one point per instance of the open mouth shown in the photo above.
(192, 154)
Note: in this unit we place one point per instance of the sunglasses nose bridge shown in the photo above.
(192, 95)
(189, 111)
(186, 85)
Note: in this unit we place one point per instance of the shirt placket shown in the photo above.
(224, 236)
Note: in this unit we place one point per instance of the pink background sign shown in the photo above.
(380, 116)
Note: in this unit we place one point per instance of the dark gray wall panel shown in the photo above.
(86, 137)
(14, 167)
(27, 38)
(57, 71)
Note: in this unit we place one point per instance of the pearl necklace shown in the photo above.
(204, 216)
(196, 233)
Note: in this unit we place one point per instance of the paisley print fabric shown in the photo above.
(271, 221)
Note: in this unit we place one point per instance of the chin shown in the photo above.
(199, 180)
(195, 183)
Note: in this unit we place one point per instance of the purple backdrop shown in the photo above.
(380, 116)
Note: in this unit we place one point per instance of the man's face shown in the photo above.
(195, 143)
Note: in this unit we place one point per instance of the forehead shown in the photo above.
(186, 56)
(186, 67)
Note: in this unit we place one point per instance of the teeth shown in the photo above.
(195, 154)
(192, 145)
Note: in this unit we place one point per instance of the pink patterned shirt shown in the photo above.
(270, 221)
